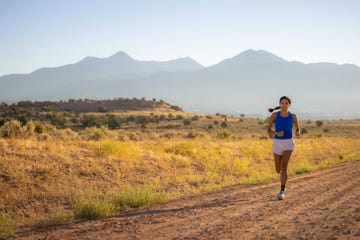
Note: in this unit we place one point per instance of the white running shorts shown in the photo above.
(281, 145)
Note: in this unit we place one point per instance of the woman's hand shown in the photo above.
(297, 133)
(280, 134)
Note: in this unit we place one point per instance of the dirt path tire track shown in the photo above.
(320, 205)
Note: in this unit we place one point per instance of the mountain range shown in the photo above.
(248, 83)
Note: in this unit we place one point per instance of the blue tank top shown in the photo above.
(284, 124)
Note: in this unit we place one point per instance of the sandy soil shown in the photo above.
(319, 205)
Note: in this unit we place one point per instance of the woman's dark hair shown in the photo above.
(278, 107)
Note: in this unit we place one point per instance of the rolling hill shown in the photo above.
(249, 83)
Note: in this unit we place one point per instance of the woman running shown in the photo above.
(283, 143)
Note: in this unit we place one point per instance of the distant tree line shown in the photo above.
(90, 105)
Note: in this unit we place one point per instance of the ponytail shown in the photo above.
(273, 109)
(278, 107)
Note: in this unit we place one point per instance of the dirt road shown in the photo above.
(319, 205)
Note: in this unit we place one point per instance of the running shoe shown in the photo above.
(281, 195)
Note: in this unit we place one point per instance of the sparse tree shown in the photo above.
(319, 123)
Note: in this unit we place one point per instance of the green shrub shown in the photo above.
(319, 123)
(130, 118)
(135, 197)
(94, 133)
(186, 122)
(90, 121)
(57, 120)
(113, 122)
(102, 109)
(23, 120)
(179, 117)
(194, 118)
(224, 124)
(93, 208)
(2, 122)
(303, 131)
(224, 135)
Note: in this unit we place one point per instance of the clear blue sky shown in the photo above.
(48, 33)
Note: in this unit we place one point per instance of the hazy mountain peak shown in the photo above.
(189, 60)
(88, 59)
(120, 55)
(251, 55)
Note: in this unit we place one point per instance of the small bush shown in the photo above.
(23, 120)
(57, 120)
(94, 133)
(93, 208)
(130, 197)
(319, 123)
(303, 131)
(12, 129)
(179, 117)
(186, 122)
(113, 122)
(130, 118)
(29, 129)
(194, 118)
(2, 122)
(39, 128)
(224, 134)
(102, 109)
(191, 135)
(90, 121)
(122, 150)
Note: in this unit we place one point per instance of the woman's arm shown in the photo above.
(296, 124)
(271, 122)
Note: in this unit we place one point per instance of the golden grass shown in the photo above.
(52, 182)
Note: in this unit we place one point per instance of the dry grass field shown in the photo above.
(60, 176)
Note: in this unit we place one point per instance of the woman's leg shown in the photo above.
(277, 159)
(284, 165)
